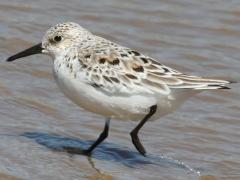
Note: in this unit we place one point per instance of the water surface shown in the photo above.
(197, 37)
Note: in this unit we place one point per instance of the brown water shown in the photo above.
(36, 120)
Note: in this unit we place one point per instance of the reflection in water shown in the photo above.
(99, 175)
(106, 151)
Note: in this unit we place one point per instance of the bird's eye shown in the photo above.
(57, 38)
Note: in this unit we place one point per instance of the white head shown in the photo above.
(62, 36)
(56, 40)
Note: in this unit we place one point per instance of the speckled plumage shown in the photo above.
(116, 71)
(114, 81)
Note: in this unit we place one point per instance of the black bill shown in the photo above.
(37, 49)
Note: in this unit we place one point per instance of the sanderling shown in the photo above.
(114, 81)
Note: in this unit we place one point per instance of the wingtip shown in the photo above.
(224, 87)
(228, 83)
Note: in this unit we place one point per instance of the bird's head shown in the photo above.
(57, 39)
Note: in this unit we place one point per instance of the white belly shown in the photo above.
(118, 106)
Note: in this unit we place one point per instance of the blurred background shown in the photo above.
(36, 120)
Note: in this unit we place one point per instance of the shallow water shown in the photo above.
(197, 37)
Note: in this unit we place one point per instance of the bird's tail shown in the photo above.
(217, 85)
(199, 83)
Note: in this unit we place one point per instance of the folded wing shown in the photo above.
(120, 68)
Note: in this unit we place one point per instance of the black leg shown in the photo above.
(134, 133)
(88, 151)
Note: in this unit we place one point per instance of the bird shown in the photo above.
(114, 81)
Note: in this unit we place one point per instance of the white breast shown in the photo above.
(124, 107)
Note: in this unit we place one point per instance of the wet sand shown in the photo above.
(196, 37)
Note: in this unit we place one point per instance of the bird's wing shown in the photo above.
(117, 67)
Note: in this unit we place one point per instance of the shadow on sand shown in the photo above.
(106, 151)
